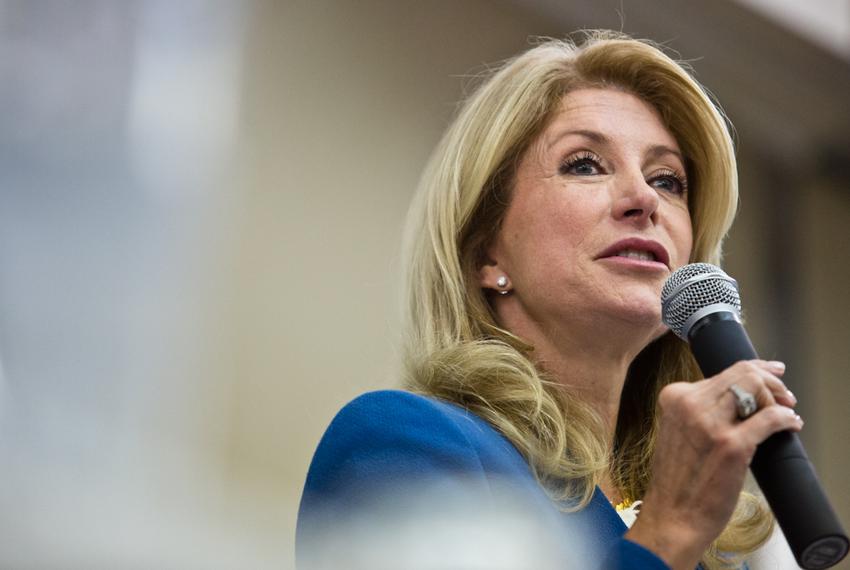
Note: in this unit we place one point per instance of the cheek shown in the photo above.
(683, 237)
(556, 233)
(540, 241)
(534, 218)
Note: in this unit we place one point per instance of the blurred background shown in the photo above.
(200, 210)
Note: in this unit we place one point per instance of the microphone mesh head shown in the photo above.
(692, 288)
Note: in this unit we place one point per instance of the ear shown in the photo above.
(491, 275)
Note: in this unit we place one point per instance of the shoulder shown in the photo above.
(393, 462)
(384, 407)
(393, 442)
(392, 433)
(399, 468)
(389, 414)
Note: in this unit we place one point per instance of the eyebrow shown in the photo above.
(654, 151)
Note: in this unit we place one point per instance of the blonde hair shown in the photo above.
(455, 349)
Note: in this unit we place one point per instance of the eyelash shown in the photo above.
(588, 157)
(576, 159)
(680, 180)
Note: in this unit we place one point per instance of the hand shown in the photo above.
(702, 454)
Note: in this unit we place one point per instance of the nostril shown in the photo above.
(633, 212)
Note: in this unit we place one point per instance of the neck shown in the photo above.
(573, 355)
(594, 376)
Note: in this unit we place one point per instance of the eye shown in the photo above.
(583, 164)
(669, 181)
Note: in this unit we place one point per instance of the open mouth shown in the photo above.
(638, 249)
(636, 254)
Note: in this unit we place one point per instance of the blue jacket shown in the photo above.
(385, 447)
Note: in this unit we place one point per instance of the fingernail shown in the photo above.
(791, 395)
(777, 365)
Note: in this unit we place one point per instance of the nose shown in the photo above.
(635, 200)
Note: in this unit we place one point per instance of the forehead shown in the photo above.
(618, 115)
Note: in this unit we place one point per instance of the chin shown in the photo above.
(641, 303)
(644, 316)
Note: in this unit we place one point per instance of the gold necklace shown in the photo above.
(628, 511)
(622, 506)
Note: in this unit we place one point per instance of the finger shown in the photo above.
(751, 376)
(768, 421)
(745, 393)
(773, 369)
(780, 391)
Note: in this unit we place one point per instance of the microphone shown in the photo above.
(701, 305)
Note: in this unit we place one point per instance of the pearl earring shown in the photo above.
(502, 282)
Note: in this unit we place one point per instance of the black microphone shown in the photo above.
(701, 304)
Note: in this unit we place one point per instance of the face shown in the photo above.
(598, 217)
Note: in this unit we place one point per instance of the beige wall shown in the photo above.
(824, 216)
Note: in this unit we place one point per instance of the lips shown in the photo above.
(637, 248)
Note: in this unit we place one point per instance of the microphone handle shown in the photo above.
(780, 464)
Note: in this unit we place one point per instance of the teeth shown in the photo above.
(635, 254)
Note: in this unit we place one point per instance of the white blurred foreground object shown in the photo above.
(774, 555)
(446, 526)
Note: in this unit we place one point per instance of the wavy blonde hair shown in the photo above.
(456, 350)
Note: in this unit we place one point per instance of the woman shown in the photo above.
(571, 184)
